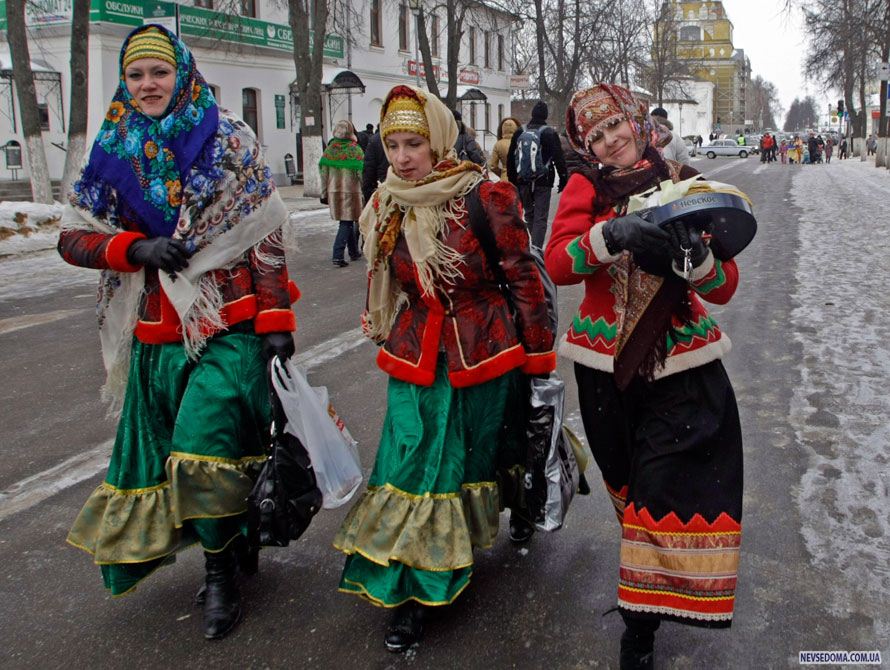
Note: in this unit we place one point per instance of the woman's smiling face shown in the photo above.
(151, 82)
(617, 147)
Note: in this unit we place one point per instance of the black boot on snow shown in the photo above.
(222, 602)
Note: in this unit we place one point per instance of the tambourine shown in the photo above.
(726, 217)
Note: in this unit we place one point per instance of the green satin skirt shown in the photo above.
(445, 461)
(189, 444)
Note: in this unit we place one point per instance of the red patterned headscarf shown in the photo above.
(594, 109)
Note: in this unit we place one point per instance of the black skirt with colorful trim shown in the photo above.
(670, 452)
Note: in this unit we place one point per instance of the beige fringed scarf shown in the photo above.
(420, 211)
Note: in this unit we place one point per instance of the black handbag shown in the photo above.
(549, 455)
(285, 496)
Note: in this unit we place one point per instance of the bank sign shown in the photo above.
(193, 22)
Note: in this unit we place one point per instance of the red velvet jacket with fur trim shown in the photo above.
(469, 320)
(250, 288)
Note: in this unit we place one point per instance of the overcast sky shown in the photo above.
(774, 41)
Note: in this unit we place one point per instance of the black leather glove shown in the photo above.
(323, 201)
(159, 252)
(278, 344)
(634, 234)
(685, 237)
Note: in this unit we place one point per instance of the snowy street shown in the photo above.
(810, 366)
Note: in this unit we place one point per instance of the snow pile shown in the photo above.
(841, 406)
(28, 226)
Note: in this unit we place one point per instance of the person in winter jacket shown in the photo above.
(465, 146)
(499, 155)
(676, 150)
(453, 352)
(194, 299)
(535, 195)
(341, 168)
(375, 166)
(656, 403)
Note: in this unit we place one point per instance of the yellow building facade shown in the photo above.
(704, 34)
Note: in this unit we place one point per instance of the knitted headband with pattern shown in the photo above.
(402, 112)
(150, 43)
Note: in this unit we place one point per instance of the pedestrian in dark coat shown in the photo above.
(364, 136)
(375, 167)
(535, 196)
(466, 147)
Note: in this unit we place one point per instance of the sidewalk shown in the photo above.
(294, 200)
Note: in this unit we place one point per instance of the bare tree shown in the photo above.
(668, 69)
(41, 188)
(308, 52)
(77, 114)
(762, 103)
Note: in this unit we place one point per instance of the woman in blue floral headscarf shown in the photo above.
(177, 208)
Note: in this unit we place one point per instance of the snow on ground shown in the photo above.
(841, 408)
(28, 226)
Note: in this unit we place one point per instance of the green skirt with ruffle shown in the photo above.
(189, 443)
(444, 465)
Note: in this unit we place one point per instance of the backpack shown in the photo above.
(529, 156)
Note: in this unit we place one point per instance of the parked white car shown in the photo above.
(726, 148)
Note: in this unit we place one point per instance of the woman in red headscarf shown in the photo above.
(657, 406)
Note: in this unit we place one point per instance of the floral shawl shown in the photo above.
(227, 205)
(146, 159)
(344, 154)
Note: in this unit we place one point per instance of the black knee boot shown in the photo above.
(638, 643)
(248, 565)
(222, 602)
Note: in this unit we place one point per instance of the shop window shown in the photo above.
(376, 24)
(43, 115)
(248, 8)
(434, 36)
(250, 109)
(471, 44)
(486, 48)
(403, 27)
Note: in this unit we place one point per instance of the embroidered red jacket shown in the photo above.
(251, 289)
(577, 253)
(469, 320)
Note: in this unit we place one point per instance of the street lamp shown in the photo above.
(415, 10)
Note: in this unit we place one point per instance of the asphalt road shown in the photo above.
(540, 606)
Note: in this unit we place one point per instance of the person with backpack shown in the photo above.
(454, 354)
(465, 146)
(534, 159)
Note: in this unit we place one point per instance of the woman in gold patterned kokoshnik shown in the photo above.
(178, 209)
(453, 352)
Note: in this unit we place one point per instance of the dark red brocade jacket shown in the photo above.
(469, 320)
(250, 288)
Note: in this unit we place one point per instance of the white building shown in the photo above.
(248, 61)
(689, 106)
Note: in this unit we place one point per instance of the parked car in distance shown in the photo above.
(726, 148)
(690, 146)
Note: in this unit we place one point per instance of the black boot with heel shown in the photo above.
(638, 643)
(222, 601)
(406, 627)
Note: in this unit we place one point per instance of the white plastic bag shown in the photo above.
(310, 417)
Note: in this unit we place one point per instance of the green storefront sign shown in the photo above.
(193, 22)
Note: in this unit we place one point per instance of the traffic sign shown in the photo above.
(884, 71)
